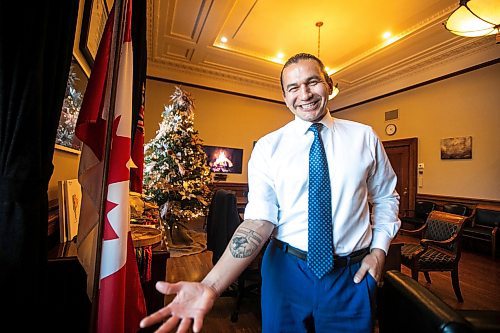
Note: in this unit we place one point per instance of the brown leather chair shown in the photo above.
(439, 248)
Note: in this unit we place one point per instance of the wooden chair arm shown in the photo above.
(472, 215)
(435, 245)
(426, 242)
(470, 220)
(418, 231)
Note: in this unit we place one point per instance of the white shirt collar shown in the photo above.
(303, 126)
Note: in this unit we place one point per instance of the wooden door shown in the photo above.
(403, 157)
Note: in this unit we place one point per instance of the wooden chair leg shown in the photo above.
(427, 277)
(456, 285)
(493, 246)
(414, 274)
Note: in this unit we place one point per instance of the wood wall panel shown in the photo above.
(440, 200)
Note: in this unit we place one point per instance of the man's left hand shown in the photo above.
(373, 263)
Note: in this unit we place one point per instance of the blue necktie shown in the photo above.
(320, 239)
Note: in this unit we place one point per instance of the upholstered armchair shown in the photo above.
(439, 248)
(485, 225)
(417, 217)
(456, 209)
(407, 306)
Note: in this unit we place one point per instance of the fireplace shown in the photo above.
(224, 159)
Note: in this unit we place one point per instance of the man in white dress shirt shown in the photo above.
(294, 299)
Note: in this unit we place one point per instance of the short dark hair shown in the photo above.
(306, 56)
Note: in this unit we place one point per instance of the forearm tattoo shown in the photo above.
(244, 243)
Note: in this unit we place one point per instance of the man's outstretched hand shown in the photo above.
(189, 307)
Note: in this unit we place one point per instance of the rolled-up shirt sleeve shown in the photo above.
(384, 199)
(262, 199)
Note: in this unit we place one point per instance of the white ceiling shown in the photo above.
(184, 43)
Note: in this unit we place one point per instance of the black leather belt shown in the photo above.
(353, 258)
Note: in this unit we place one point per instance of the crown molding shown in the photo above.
(149, 26)
(444, 54)
(466, 54)
(219, 77)
(419, 28)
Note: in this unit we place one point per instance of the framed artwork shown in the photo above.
(456, 148)
(75, 89)
(95, 14)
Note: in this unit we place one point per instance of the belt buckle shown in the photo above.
(341, 261)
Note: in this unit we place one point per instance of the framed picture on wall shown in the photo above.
(95, 15)
(457, 148)
(75, 89)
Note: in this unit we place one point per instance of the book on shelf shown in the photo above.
(62, 211)
(70, 199)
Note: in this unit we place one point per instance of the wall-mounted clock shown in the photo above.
(390, 129)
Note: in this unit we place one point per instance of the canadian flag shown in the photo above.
(121, 302)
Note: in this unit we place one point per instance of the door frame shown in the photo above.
(412, 144)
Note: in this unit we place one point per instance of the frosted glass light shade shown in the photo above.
(335, 92)
(474, 18)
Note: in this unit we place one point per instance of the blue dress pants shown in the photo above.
(294, 300)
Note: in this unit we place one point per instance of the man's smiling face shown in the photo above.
(305, 90)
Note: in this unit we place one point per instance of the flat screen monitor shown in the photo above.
(224, 159)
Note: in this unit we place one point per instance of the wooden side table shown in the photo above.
(68, 281)
(393, 259)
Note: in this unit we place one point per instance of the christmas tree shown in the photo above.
(176, 174)
(69, 114)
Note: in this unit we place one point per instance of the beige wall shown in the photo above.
(465, 105)
(222, 119)
(65, 167)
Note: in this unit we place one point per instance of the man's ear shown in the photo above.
(329, 82)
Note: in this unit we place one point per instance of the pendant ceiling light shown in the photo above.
(474, 18)
(335, 90)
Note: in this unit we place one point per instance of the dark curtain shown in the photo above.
(36, 41)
